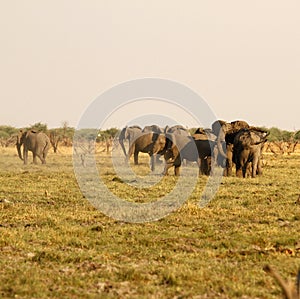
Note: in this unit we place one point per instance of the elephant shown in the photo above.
(149, 142)
(177, 129)
(158, 130)
(36, 142)
(226, 133)
(247, 148)
(186, 147)
(128, 133)
(204, 134)
(153, 128)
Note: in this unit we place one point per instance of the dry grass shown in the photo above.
(54, 244)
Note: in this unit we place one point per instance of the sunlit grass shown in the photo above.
(55, 244)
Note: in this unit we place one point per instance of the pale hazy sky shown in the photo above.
(242, 57)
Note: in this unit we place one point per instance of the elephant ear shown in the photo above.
(217, 125)
(170, 140)
(21, 135)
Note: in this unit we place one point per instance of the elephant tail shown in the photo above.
(47, 146)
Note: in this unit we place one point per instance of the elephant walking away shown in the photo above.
(36, 142)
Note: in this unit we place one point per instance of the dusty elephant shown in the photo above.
(151, 141)
(36, 142)
(247, 148)
(186, 147)
(226, 133)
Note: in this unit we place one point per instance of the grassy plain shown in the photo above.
(55, 244)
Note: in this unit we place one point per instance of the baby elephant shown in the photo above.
(247, 148)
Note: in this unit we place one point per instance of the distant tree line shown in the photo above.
(64, 134)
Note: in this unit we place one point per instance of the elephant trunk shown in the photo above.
(19, 151)
(121, 141)
(221, 137)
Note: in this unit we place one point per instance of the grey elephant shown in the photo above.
(130, 134)
(186, 147)
(36, 142)
(247, 148)
(226, 133)
(177, 129)
(151, 141)
(153, 128)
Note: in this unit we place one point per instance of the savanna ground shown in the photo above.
(55, 244)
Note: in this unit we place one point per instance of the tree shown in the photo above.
(8, 136)
(63, 136)
(297, 135)
(54, 139)
(275, 134)
(40, 127)
(8, 130)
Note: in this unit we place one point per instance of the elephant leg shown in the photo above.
(259, 167)
(177, 170)
(41, 157)
(254, 166)
(43, 160)
(229, 161)
(177, 164)
(229, 167)
(34, 157)
(201, 163)
(157, 161)
(208, 164)
(167, 167)
(25, 155)
(136, 157)
(205, 166)
(248, 170)
(45, 153)
(130, 152)
(152, 162)
(239, 171)
(245, 169)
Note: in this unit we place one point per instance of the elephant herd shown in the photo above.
(225, 144)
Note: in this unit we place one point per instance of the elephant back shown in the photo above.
(153, 128)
